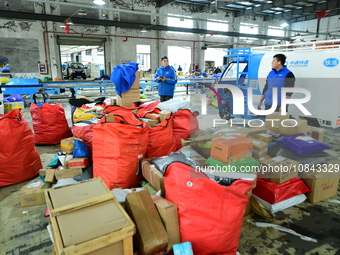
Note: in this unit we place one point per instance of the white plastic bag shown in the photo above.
(174, 105)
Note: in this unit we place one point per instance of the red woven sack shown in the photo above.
(84, 133)
(49, 123)
(161, 139)
(118, 148)
(210, 215)
(185, 125)
(19, 158)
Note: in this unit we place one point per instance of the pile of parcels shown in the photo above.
(185, 194)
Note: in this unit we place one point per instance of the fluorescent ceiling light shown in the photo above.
(82, 12)
(99, 2)
(285, 24)
(144, 30)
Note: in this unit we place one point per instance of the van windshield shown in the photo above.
(230, 74)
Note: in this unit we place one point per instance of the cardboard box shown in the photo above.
(77, 163)
(68, 173)
(50, 176)
(153, 175)
(309, 130)
(231, 149)
(264, 137)
(128, 98)
(247, 131)
(291, 129)
(168, 212)
(272, 119)
(33, 194)
(163, 115)
(322, 185)
(67, 145)
(13, 105)
(149, 122)
(318, 133)
(259, 148)
(43, 171)
(151, 237)
(153, 116)
(287, 169)
(263, 158)
(72, 206)
(209, 101)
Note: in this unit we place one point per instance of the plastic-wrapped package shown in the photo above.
(163, 162)
(310, 159)
(303, 144)
(174, 105)
(280, 206)
(273, 193)
(87, 174)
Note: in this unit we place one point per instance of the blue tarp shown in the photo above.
(123, 76)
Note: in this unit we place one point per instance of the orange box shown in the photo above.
(231, 149)
(153, 116)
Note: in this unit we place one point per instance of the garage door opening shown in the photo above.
(81, 58)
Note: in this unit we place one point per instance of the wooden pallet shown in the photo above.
(96, 246)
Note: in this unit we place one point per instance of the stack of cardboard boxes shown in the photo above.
(131, 96)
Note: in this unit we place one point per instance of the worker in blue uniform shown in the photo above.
(279, 77)
(166, 79)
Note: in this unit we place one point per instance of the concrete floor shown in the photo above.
(23, 229)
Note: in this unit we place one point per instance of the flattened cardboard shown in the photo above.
(322, 185)
(168, 212)
(75, 227)
(151, 237)
(33, 194)
(231, 149)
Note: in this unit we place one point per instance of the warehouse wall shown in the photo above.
(22, 43)
(120, 46)
(329, 29)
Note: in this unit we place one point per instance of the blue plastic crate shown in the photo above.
(183, 249)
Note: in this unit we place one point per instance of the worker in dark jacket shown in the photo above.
(166, 79)
(279, 77)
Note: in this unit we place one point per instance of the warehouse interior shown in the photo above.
(134, 188)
